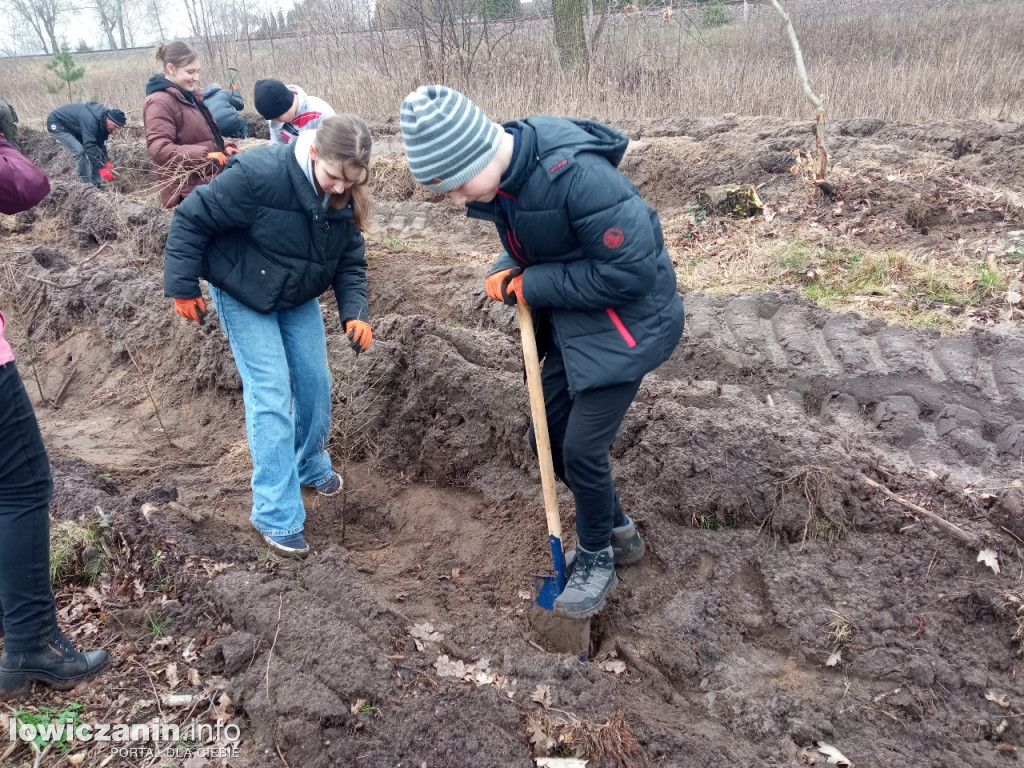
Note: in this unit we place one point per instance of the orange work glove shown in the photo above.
(505, 285)
(220, 157)
(191, 309)
(360, 335)
(231, 149)
(106, 174)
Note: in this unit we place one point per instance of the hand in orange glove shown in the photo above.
(505, 285)
(231, 149)
(360, 335)
(106, 174)
(191, 309)
(219, 157)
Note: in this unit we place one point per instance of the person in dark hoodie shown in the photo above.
(587, 253)
(9, 123)
(225, 106)
(276, 229)
(35, 650)
(182, 137)
(83, 129)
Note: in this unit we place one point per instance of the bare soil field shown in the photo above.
(815, 481)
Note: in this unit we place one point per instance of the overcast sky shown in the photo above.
(82, 25)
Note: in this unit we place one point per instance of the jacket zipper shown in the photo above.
(621, 327)
(513, 241)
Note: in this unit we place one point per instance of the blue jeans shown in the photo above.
(86, 172)
(26, 599)
(286, 387)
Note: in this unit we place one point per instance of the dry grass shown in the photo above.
(909, 61)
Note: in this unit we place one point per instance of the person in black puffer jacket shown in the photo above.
(275, 229)
(586, 252)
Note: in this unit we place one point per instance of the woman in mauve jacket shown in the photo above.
(182, 138)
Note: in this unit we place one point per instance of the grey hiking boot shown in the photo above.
(627, 545)
(592, 576)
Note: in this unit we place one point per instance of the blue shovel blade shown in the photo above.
(548, 588)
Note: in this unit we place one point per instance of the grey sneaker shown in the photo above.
(627, 545)
(593, 575)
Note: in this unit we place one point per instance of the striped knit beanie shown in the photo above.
(448, 138)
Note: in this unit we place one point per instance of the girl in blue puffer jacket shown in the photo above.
(586, 252)
(278, 227)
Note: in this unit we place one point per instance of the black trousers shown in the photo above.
(27, 607)
(582, 430)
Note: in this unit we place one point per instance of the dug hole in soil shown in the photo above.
(786, 602)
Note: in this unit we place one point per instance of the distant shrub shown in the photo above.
(713, 15)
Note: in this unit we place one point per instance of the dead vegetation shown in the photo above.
(554, 732)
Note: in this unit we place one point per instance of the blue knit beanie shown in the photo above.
(448, 138)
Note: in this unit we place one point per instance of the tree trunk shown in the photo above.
(120, 23)
(108, 27)
(569, 36)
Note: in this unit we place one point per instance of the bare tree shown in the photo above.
(153, 8)
(107, 16)
(819, 105)
(42, 16)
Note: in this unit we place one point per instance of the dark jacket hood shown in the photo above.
(553, 139)
(159, 83)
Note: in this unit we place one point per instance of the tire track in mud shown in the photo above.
(964, 393)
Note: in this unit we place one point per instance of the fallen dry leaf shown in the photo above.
(539, 738)
(542, 695)
(990, 558)
(357, 706)
(998, 698)
(834, 658)
(835, 757)
(615, 666)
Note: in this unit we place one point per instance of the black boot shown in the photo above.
(55, 663)
(593, 575)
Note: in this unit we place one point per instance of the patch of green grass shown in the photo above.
(75, 554)
(394, 242)
(797, 257)
(46, 721)
(156, 627)
(989, 283)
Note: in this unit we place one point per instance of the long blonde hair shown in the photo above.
(346, 139)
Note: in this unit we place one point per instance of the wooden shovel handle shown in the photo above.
(540, 419)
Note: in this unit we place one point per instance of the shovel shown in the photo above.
(548, 587)
(557, 632)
